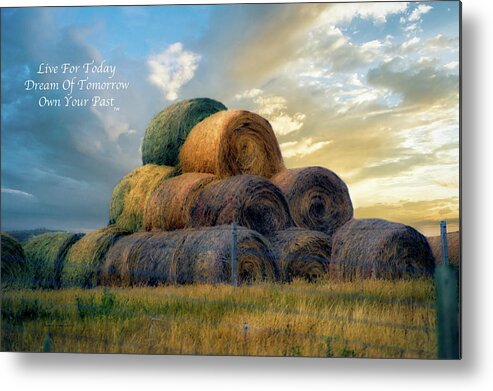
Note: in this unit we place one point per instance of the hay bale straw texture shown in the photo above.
(453, 241)
(302, 253)
(14, 263)
(169, 206)
(189, 256)
(46, 257)
(252, 201)
(232, 142)
(131, 193)
(319, 200)
(85, 258)
(168, 130)
(374, 248)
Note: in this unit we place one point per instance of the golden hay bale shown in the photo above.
(46, 255)
(453, 241)
(190, 255)
(302, 253)
(130, 195)
(169, 205)
(232, 142)
(374, 248)
(14, 263)
(168, 130)
(84, 260)
(318, 198)
(252, 201)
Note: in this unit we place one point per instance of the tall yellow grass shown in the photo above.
(369, 319)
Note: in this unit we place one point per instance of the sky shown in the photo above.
(369, 91)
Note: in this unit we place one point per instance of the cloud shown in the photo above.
(172, 68)
(425, 215)
(419, 11)
(301, 148)
(16, 192)
(377, 12)
(274, 109)
(452, 65)
(425, 86)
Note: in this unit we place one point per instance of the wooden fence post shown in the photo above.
(447, 307)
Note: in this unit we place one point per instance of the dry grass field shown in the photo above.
(371, 318)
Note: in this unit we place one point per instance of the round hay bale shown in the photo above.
(169, 205)
(168, 130)
(14, 263)
(232, 142)
(374, 248)
(46, 255)
(120, 261)
(130, 195)
(190, 256)
(302, 253)
(84, 260)
(318, 198)
(453, 241)
(252, 201)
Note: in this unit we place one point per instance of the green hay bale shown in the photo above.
(85, 258)
(14, 263)
(46, 257)
(168, 130)
(131, 193)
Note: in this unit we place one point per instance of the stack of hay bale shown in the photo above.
(205, 169)
(213, 183)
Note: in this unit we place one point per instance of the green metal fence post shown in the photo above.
(447, 306)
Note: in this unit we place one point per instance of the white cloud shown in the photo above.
(411, 27)
(16, 192)
(274, 109)
(172, 68)
(377, 12)
(452, 65)
(248, 94)
(410, 44)
(419, 11)
(301, 148)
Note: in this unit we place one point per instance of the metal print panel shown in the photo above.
(237, 179)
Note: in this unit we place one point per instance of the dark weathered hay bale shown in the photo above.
(232, 142)
(168, 130)
(169, 206)
(46, 255)
(302, 253)
(453, 241)
(374, 248)
(120, 261)
(317, 197)
(85, 258)
(190, 255)
(130, 195)
(14, 263)
(252, 201)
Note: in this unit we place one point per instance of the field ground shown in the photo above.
(390, 319)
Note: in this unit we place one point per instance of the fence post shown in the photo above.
(447, 307)
(234, 256)
(47, 342)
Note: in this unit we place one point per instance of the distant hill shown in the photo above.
(25, 234)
